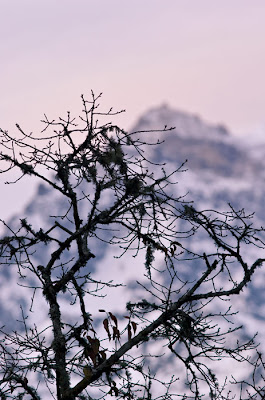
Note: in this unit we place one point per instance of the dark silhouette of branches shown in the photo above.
(116, 197)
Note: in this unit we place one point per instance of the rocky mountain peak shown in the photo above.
(186, 125)
(207, 147)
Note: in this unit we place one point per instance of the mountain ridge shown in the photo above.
(205, 146)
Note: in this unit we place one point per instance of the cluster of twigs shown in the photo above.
(86, 163)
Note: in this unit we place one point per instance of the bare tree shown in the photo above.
(116, 197)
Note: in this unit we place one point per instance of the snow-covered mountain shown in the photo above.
(221, 169)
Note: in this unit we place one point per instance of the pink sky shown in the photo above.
(206, 57)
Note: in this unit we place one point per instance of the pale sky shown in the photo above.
(206, 57)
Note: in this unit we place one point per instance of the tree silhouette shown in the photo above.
(115, 197)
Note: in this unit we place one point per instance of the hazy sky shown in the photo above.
(206, 57)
